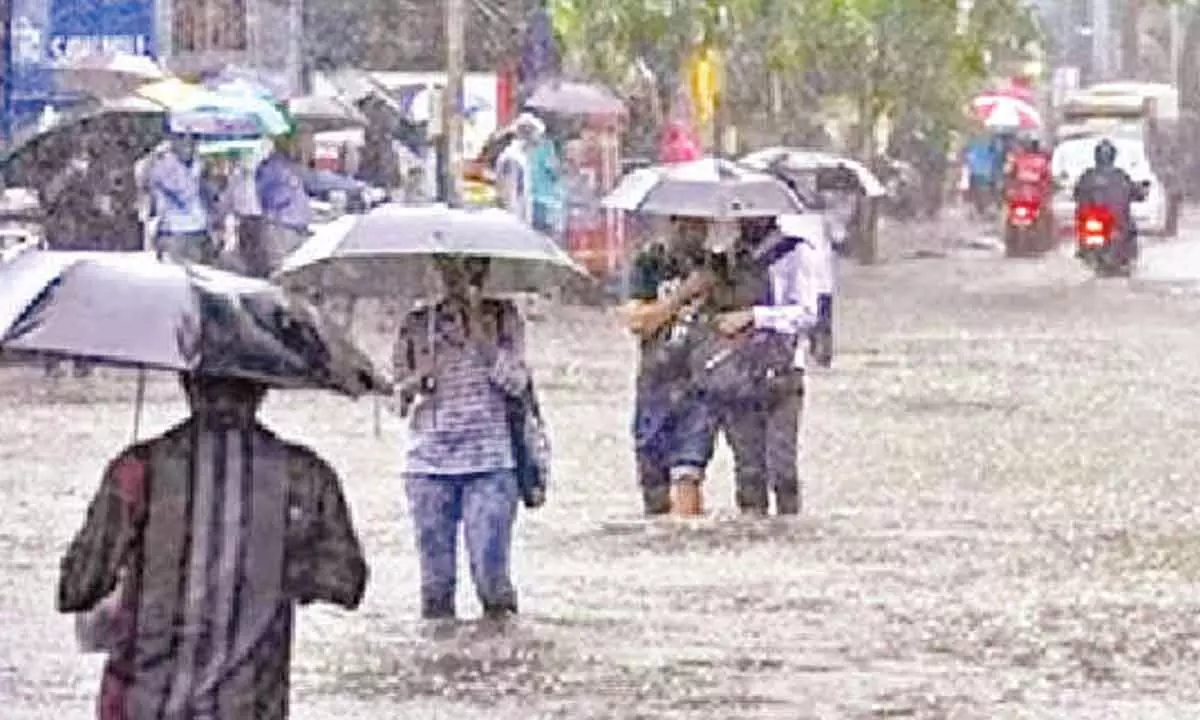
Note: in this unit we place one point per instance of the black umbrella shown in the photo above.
(132, 124)
(128, 309)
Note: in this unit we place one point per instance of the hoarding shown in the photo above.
(43, 32)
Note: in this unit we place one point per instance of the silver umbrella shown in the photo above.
(389, 251)
(319, 114)
(709, 188)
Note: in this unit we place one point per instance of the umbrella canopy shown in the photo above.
(319, 114)
(106, 75)
(802, 160)
(267, 84)
(709, 188)
(133, 124)
(575, 98)
(389, 251)
(127, 309)
(197, 110)
(1003, 112)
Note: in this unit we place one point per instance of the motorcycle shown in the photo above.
(1026, 227)
(1098, 243)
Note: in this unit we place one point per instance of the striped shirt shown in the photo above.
(459, 425)
(216, 535)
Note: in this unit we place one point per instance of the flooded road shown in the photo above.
(1000, 523)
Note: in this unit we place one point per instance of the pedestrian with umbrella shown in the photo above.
(199, 543)
(689, 294)
(476, 445)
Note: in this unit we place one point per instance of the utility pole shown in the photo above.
(1102, 39)
(452, 129)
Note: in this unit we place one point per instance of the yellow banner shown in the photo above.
(704, 82)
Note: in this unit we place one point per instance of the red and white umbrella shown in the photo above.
(1004, 112)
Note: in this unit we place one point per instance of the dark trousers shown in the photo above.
(765, 445)
(255, 256)
(197, 248)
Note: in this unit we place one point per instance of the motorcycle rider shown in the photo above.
(1029, 180)
(1108, 186)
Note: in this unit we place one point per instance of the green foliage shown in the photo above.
(891, 56)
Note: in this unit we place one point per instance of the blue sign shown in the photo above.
(42, 32)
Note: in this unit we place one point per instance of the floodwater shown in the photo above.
(1000, 523)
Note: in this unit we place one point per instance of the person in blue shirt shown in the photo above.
(174, 183)
(286, 207)
(983, 160)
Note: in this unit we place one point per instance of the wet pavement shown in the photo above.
(1000, 523)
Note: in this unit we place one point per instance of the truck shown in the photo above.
(1142, 119)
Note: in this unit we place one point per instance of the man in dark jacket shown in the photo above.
(1108, 186)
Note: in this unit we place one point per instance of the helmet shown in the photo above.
(1106, 153)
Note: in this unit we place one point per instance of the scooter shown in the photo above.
(1026, 225)
(1098, 243)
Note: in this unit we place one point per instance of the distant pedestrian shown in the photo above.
(194, 553)
(459, 362)
(286, 207)
(174, 182)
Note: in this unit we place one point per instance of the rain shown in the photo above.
(997, 476)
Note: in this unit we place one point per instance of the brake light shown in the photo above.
(1021, 211)
(1093, 226)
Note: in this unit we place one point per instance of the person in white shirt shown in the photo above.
(765, 434)
(514, 173)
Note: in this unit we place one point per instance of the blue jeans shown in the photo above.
(672, 438)
(485, 504)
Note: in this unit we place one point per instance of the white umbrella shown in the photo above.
(107, 75)
(708, 188)
(801, 160)
(389, 251)
(320, 114)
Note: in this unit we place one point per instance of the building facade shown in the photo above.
(202, 36)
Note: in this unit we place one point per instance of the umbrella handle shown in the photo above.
(139, 401)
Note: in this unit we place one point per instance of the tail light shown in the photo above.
(1093, 226)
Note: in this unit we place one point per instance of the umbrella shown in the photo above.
(1000, 111)
(266, 84)
(575, 98)
(197, 110)
(707, 188)
(135, 123)
(320, 114)
(801, 160)
(106, 75)
(390, 249)
(129, 310)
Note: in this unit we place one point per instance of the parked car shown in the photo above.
(335, 188)
(1075, 155)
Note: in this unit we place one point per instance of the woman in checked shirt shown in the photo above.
(458, 361)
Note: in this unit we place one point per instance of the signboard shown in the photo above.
(49, 31)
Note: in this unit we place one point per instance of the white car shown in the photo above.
(1074, 156)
